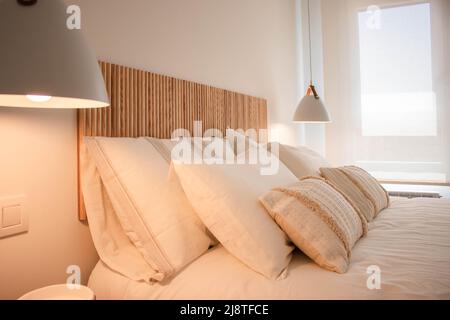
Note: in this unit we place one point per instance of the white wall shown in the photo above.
(38, 160)
(242, 45)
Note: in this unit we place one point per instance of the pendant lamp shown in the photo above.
(43, 62)
(311, 108)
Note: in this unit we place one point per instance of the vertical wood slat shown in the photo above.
(148, 104)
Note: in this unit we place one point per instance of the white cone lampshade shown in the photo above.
(311, 109)
(43, 63)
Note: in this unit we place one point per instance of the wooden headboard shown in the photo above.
(148, 104)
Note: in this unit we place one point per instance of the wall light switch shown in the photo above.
(13, 216)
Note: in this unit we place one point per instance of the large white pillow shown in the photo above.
(240, 142)
(113, 245)
(226, 199)
(302, 161)
(152, 209)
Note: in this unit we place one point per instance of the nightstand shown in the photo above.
(60, 292)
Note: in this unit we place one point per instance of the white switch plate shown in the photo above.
(13, 216)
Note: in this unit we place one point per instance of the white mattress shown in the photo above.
(409, 242)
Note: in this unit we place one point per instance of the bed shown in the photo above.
(405, 255)
(409, 242)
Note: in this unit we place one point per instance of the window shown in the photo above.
(386, 74)
(397, 97)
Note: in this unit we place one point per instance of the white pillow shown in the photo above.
(240, 142)
(302, 161)
(226, 199)
(113, 246)
(153, 210)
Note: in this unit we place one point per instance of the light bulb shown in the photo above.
(38, 98)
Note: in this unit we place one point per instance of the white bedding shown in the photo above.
(409, 242)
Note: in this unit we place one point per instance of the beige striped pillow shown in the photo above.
(318, 219)
(368, 185)
(339, 179)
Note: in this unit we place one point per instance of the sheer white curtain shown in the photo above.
(386, 79)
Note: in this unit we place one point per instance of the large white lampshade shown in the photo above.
(311, 109)
(43, 63)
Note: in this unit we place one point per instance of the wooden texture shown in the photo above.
(149, 104)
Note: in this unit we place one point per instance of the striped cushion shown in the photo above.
(318, 219)
(339, 179)
(368, 185)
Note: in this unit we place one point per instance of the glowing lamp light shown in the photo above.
(38, 98)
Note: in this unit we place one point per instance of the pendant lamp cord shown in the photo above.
(310, 49)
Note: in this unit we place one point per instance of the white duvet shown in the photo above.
(409, 244)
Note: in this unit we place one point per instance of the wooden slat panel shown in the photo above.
(148, 104)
